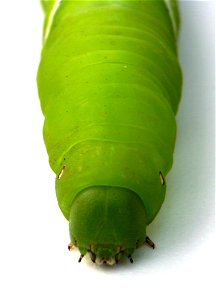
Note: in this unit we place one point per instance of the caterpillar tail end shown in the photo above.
(108, 223)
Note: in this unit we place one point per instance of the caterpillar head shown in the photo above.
(107, 223)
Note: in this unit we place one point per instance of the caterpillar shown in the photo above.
(109, 83)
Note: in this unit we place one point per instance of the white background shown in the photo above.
(34, 261)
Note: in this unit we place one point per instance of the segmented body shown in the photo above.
(109, 84)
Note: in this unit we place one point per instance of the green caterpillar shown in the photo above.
(109, 83)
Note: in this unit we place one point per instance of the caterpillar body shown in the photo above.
(109, 84)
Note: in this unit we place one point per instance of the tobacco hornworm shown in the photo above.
(109, 83)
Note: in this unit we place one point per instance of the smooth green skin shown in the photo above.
(47, 7)
(109, 82)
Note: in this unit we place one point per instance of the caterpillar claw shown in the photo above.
(150, 243)
(81, 257)
(130, 258)
(71, 246)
